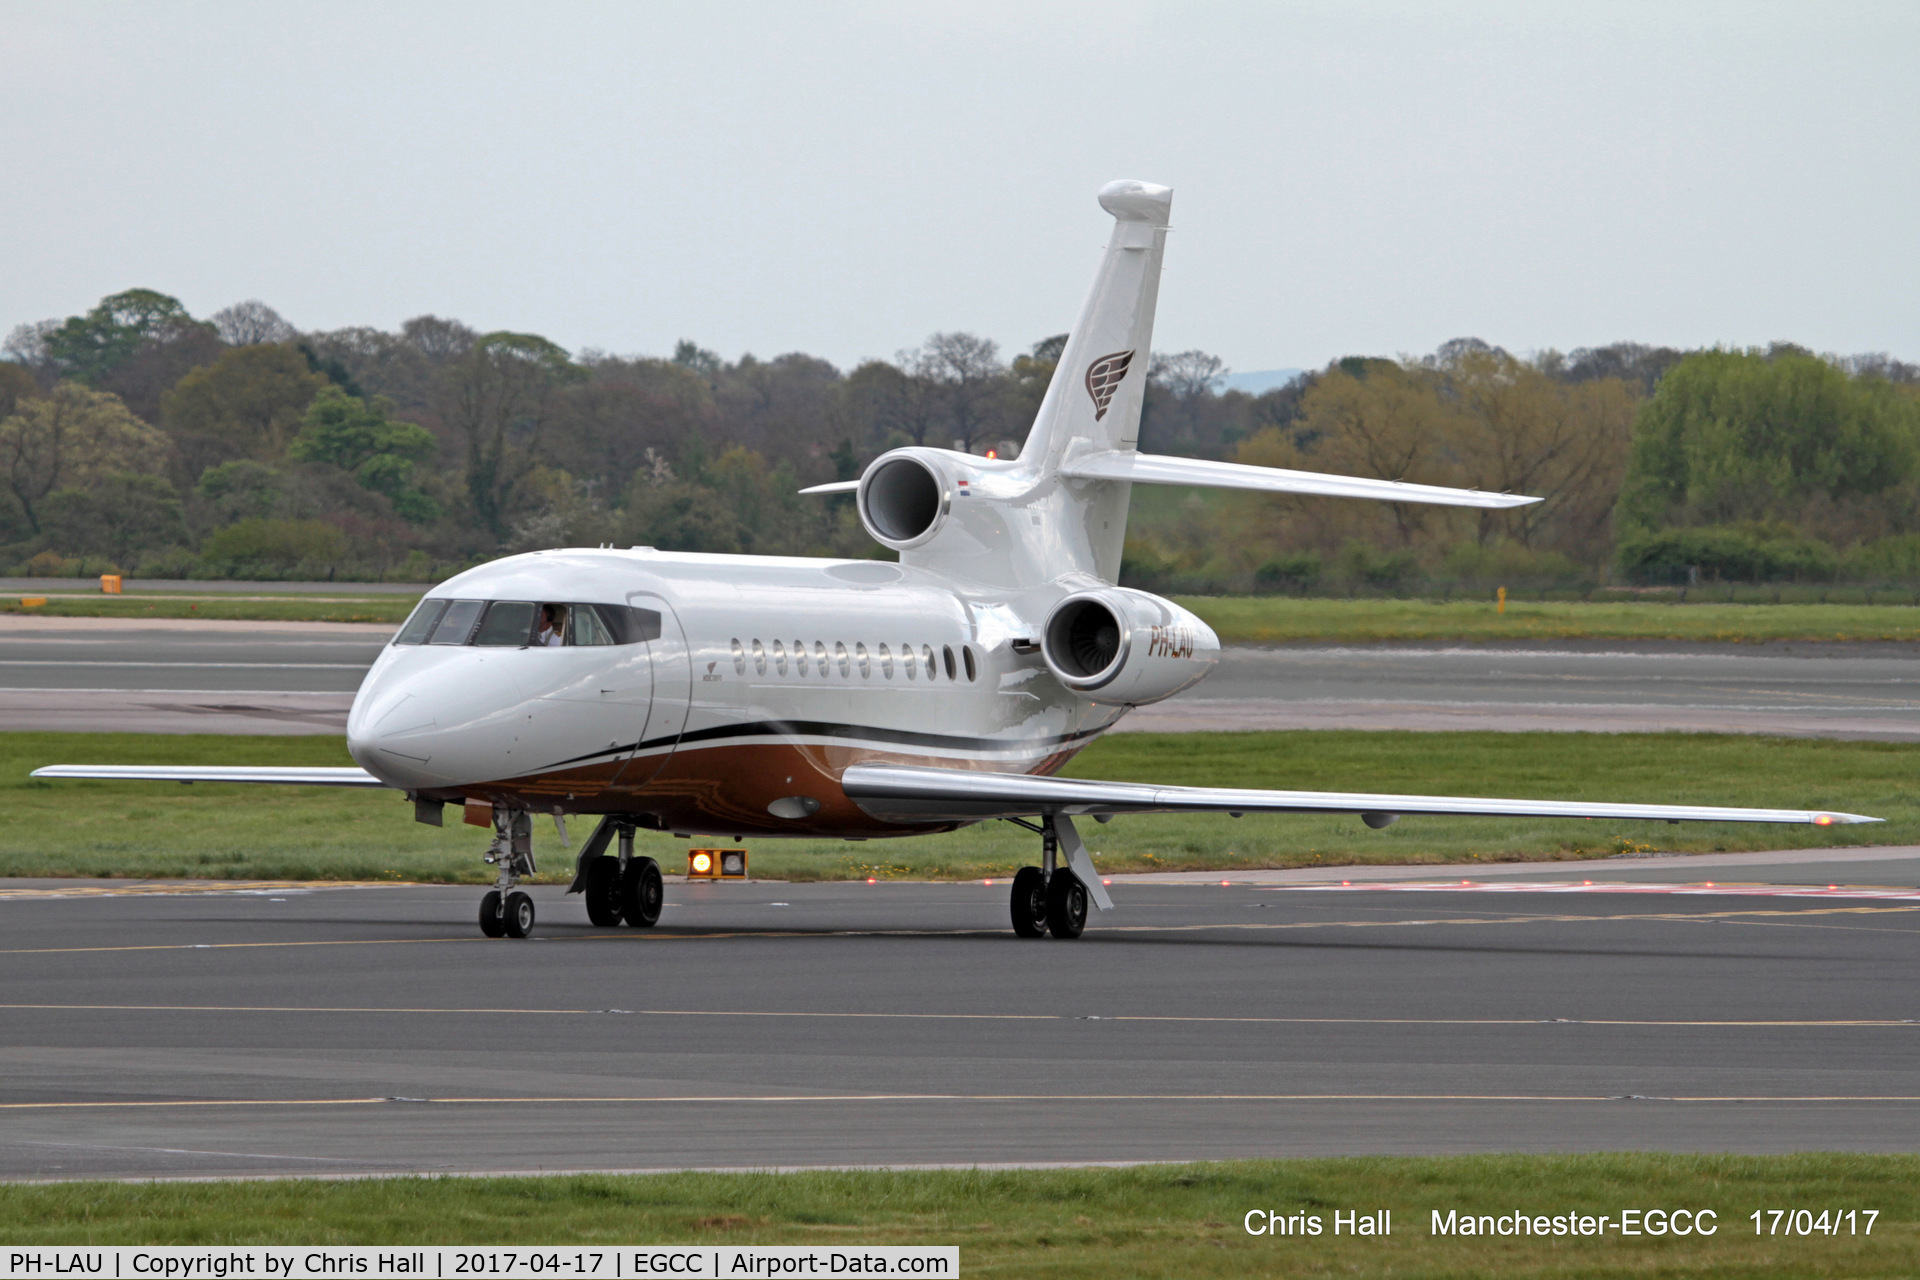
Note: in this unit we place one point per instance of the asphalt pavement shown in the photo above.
(1869, 691)
(167, 1031)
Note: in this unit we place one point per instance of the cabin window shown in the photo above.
(840, 657)
(953, 672)
(886, 662)
(820, 657)
(759, 659)
(866, 664)
(800, 657)
(739, 658)
(779, 658)
(456, 625)
(419, 624)
(926, 655)
(906, 659)
(966, 652)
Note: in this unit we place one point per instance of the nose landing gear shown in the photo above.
(1050, 898)
(507, 911)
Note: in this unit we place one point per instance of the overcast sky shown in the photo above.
(845, 179)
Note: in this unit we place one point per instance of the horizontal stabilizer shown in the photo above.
(905, 793)
(838, 486)
(1148, 468)
(295, 777)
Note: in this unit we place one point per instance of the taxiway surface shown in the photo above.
(242, 677)
(160, 1031)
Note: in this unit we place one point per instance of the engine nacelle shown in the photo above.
(1126, 648)
(905, 497)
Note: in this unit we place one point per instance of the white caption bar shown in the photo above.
(286, 1262)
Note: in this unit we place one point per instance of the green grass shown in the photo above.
(164, 829)
(1151, 1221)
(1278, 619)
(264, 607)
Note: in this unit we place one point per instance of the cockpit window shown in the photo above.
(508, 623)
(520, 623)
(420, 624)
(456, 624)
(585, 627)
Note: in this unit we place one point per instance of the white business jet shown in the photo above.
(765, 696)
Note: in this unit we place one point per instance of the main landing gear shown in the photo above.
(1051, 898)
(618, 888)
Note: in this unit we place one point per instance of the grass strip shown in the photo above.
(63, 828)
(1282, 619)
(263, 608)
(1149, 1221)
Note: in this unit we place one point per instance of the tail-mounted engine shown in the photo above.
(1126, 647)
(905, 497)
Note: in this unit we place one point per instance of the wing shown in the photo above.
(900, 792)
(838, 486)
(297, 777)
(1148, 468)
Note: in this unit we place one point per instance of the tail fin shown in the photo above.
(1098, 386)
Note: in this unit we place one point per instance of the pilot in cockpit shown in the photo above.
(553, 626)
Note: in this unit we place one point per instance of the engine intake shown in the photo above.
(1125, 647)
(903, 500)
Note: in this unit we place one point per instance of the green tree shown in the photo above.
(88, 348)
(117, 516)
(250, 400)
(1749, 435)
(500, 398)
(362, 438)
(70, 438)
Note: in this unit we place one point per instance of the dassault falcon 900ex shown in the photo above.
(770, 696)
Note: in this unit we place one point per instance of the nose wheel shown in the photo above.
(507, 911)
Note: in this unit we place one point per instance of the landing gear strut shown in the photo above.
(507, 911)
(1051, 898)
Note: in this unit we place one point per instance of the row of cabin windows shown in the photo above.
(911, 664)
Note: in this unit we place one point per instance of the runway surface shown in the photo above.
(242, 677)
(1802, 690)
(162, 1031)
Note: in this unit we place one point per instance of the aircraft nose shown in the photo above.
(390, 734)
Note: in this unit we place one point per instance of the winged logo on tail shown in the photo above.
(1103, 377)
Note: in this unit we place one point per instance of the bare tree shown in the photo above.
(440, 341)
(1187, 374)
(27, 345)
(251, 323)
(972, 381)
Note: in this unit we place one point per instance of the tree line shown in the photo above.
(139, 438)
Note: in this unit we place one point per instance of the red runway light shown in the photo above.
(870, 880)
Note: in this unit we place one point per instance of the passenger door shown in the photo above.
(666, 716)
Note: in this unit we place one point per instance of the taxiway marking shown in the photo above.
(600, 1100)
(980, 1017)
